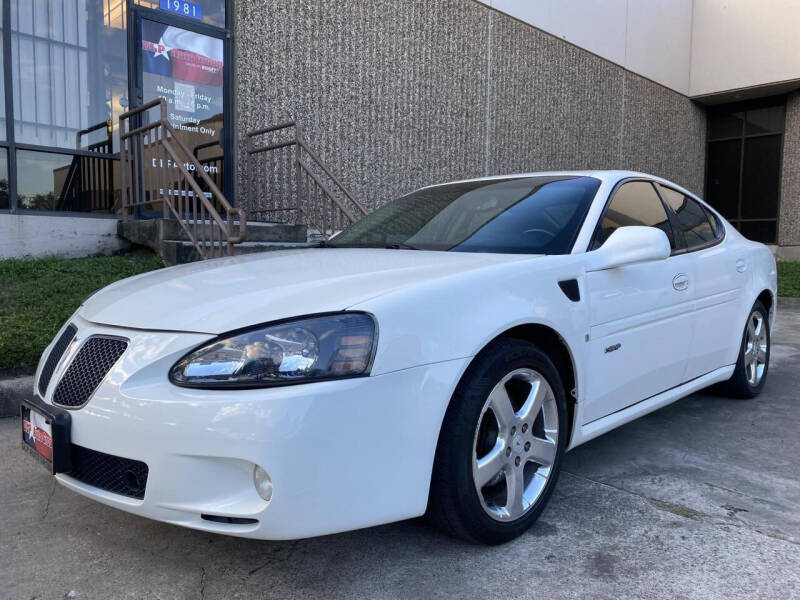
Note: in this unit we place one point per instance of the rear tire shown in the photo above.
(752, 366)
(500, 446)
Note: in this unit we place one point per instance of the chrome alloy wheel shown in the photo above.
(755, 348)
(515, 444)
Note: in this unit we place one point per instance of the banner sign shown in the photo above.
(186, 69)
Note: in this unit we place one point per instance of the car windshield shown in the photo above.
(523, 215)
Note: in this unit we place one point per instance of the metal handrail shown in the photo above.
(309, 192)
(108, 142)
(89, 183)
(210, 230)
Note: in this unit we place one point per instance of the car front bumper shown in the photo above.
(341, 454)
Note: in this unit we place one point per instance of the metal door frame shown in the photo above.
(136, 14)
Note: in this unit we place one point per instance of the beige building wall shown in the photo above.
(744, 43)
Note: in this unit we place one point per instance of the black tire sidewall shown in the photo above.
(457, 436)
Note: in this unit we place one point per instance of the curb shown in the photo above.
(12, 392)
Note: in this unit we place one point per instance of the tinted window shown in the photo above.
(761, 177)
(722, 184)
(692, 218)
(716, 226)
(528, 215)
(634, 203)
(744, 164)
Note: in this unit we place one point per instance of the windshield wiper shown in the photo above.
(401, 246)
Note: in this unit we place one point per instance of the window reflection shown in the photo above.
(691, 217)
(63, 182)
(4, 203)
(69, 68)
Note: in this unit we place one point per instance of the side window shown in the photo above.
(692, 218)
(716, 226)
(634, 203)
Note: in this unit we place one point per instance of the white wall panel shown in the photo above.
(744, 43)
(659, 41)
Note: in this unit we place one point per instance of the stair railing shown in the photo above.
(288, 183)
(159, 174)
(89, 183)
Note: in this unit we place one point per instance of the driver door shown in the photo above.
(640, 314)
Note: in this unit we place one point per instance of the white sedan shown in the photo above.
(438, 357)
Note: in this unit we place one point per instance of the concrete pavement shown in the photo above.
(698, 500)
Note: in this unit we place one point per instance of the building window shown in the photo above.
(67, 72)
(4, 198)
(51, 181)
(69, 69)
(743, 165)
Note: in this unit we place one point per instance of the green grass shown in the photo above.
(38, 295)
(788, 278)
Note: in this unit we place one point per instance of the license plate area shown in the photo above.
(45, 435)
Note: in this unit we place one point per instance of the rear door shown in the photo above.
(640, 315)
(720, 276)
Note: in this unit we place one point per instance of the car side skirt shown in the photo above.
(584, 433)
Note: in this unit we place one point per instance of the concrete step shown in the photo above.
(256, 232)
(151, 232)
(176, 252)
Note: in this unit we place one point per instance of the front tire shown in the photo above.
(500, 445)
(752, 366)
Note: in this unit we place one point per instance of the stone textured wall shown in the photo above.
(789, 217)
(396, 94)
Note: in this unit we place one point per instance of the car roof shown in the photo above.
(611, 176)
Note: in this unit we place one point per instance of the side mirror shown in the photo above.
(628, 245)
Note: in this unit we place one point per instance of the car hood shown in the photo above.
(221, 295)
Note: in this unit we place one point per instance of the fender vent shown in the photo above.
(570, 289)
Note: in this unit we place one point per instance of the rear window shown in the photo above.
(692, 219)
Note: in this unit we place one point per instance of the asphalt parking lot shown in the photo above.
(698, 500)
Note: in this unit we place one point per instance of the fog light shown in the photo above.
(263, 483)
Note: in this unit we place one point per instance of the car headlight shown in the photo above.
(296, 351)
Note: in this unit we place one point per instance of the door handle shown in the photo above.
(741, 266)
(681, 282)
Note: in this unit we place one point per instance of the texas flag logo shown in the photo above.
(184, 55)
(161, 49)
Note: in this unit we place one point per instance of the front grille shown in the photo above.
(114, 474)
(55, 355)
(92, 363)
